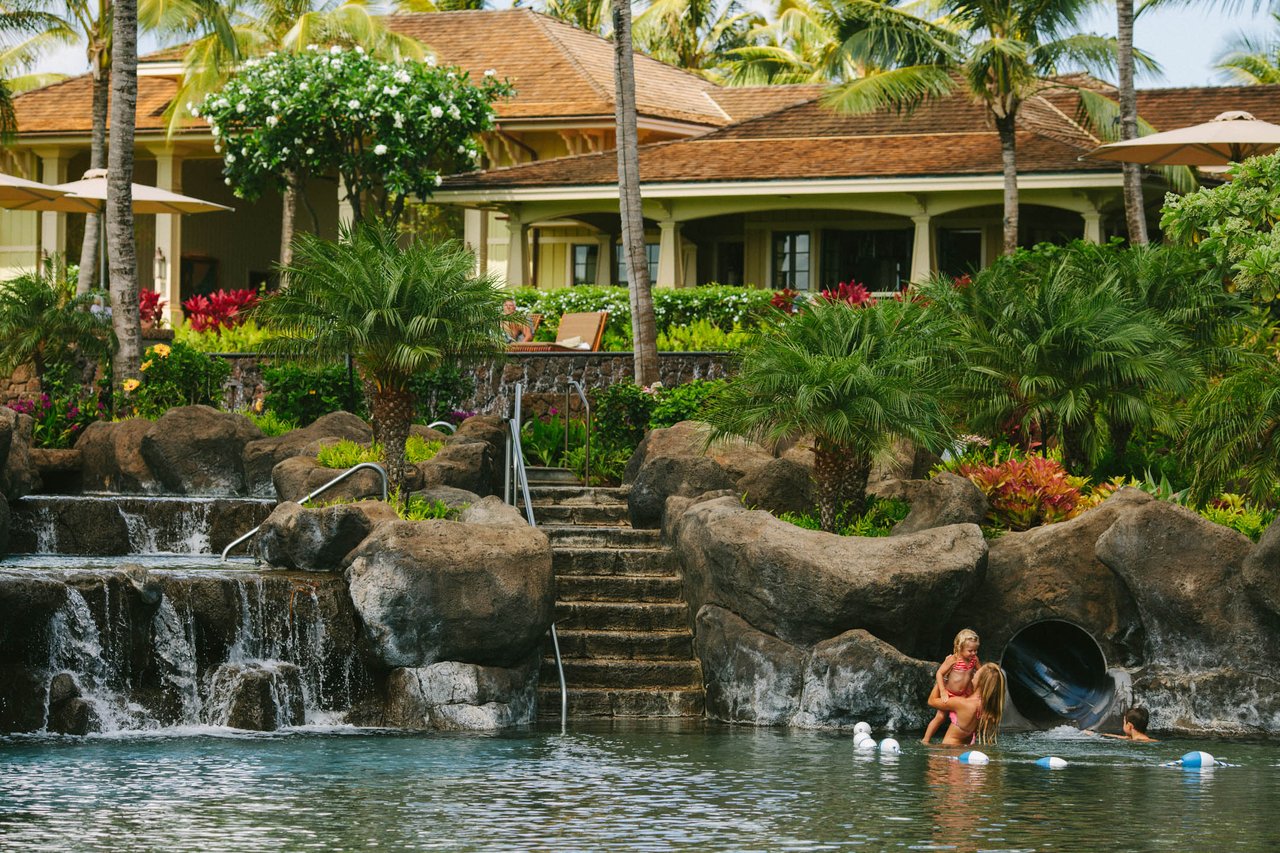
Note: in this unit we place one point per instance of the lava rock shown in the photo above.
(750, 676)
(1215, 701)
(90, 528)
(149, 589)
(197, 450)
(465, 462)
(111, 457)
(942, 500)
(259, 696)
(781, 485)
(455, 499)
(296, 537)
(805, 586)
(1262, 573)
(262, 455)
(18, 475)
(855, 677)
(69, 712)
(431, 591)
(299, 476)
(493, 510)
(456, 696)
(664, 476)
(27, 601)
(736, 456)
(4, 525)
(22, 699)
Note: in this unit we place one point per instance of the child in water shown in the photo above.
(1134, 726)
(955, 676)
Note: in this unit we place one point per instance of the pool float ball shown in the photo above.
(1197, 759)
(862, 729)
(973, 756)
(891, 746)
(1052, 762)
(864, 744)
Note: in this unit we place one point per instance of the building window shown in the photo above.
(791, 260)
(585, 259)
(880, 259)
(651, 252)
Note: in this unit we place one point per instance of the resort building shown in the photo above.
(760, 186)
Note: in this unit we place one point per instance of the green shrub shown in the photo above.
(418, 508)
(172, 376)
(301, 393)
(440, 392)
(703, 336)
(418, 449)
(542, 438)
(620, 416)
(881, 515)
(682, 402)
(244, 337)
(607, 466)
(1234, 511)
(271, 424)
(346, 453)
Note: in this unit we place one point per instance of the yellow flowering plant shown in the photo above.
(175, 375)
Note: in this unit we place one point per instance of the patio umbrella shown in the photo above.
(13, 189)
(1229, 138)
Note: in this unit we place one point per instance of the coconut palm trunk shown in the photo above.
(1006, 126)
(90, 248)
(643, 327)
(1134, 209)
(120, 234)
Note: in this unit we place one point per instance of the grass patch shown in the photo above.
(272, 424)
(346, 453)
(881, 515)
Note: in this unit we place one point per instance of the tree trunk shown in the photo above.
(392, 413)
(1007, 127)
(840, 484)
(643, 328)
(288, 216)
(90, 248)
(120, 235)
(1135, 214)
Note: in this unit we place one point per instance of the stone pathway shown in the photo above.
(622, 621)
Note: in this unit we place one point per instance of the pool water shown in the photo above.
(638, 786)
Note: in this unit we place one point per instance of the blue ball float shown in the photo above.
(1197, 759)
(973, 756)
(1052, 762)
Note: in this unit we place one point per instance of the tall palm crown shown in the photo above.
(590, 15)
(797, 44)
(1252, 59)
(854, 378)
(396, 312)
(693, 34)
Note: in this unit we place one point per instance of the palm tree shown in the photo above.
(1251, 60)
(44, 322)
(854, 378)
(1001, 52)
(1135, 213)
(796, 44)
(119, 209)
(397, 312)
(1234, 436)
(590, 15)
(644, 334)
(693, 34)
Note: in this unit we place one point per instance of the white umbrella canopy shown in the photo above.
(89, 195)
(1229, 138)
(15, 189)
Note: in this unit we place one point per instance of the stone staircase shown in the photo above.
(622, 622)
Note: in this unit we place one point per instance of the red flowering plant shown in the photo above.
(852, 292)
(151, 308)
(222, 309)
(787, 300)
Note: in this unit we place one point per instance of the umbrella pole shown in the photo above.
(102, 255)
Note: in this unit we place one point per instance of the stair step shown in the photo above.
(551, 476)
(585, 702)
(626, 673)
(616, 616)
(543, 495)
(612, 561)
(646, 645)
(578, 536)
(581, 514)
(638, 588)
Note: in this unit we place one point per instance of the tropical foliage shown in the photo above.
(694, 34)
(43, 322)
(879, 519)
(172, 376)
(1252, 59)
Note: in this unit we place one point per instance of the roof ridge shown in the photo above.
(541, 21)
(736, 124)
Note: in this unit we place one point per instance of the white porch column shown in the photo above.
(472, 234)
(670, 255)
(346, 215)
(168, 238)
(1092, 226)
(922, 249)
(53, 226)
(604, 259)
(517, 269)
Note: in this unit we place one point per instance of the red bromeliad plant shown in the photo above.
(1025, 493)
(222, 309)
(852, 292)
(785, 300)
(151, 308)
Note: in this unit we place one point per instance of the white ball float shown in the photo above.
(862, 729)
(891, 746)
(1052, 762)
(865, 744)
(973, 756)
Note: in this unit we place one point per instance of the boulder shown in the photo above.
(1185, 575)
(465, 462)
(259, 696)
(942, 500)
(750, 676)
(22, 699)
(904, 461)
(674, 512)
(297, 537)
(855, 677)
(427, 433)
(456, 499)
(197, 450)
(431, 591)
(90, 527)
(462, 696)
(805, 586)
(69, 712)
(27, 600)
(262, 455)
(782, 485)
(18, 475)
(737, 456)
(1052, 572)
(1224, 700)
(1261, 571)
(490, 429)
(111, 457)
(493, 510)
(664, 476)
(4, 526)
(299, 476)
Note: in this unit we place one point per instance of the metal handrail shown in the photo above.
(335, 481)
(515, 469)
(586, 408)
(452, 428)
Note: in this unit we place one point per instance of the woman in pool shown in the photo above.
(974, 718)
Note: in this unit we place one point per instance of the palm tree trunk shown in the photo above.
(1134, 209)
(1006, 125)
(120, 235)
(643, 327)
(288, 216)
(89, 248)
(392, 413)
(840, 484)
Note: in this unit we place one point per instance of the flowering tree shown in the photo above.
(389, 130)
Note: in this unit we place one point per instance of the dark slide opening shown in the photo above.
(1057, 674)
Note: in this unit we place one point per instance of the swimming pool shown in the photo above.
(646, 786)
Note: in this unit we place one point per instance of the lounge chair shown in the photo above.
(578, 332)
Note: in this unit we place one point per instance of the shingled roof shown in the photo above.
(946, 136)
(67, 107)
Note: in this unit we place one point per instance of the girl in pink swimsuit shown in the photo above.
(955, 676)
(975, 718)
